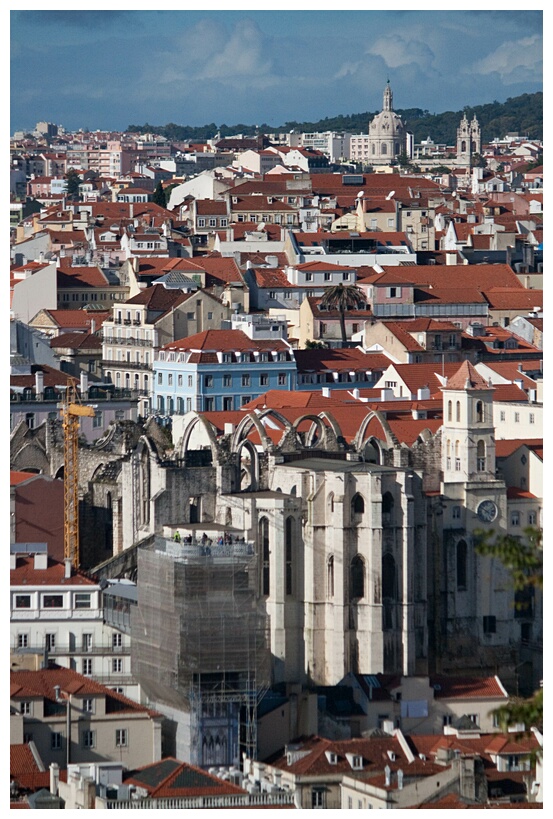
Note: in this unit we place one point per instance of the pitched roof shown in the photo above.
(223, 341)
(506, 447)
(77, 341)
(81, 277)
(467, 377)
(25, 574)
(171, 778)
(467, 687)
(28, 684)
(338, 359)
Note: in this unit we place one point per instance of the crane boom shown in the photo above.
(71, 414)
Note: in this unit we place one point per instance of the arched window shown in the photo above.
(473, 146)
(448, 454)
(373, 148)
(481, 456)
(263, 531)
(357, 504)
(288, 548)
(180, 406)
(479, 412)
(160, 403)
(389, 580)
(397, 148)
(357, 578)
(457, 456)
(330, 576)
(145, 487)
(458, 411)
(383, 148)
(461, 565)
(387, 508)
(330, 503)
(463, 146)
(450, 410)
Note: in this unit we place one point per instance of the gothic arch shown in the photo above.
(253, 468)
(207, 428)
(243, 429)
(391, 440)
(272, 413)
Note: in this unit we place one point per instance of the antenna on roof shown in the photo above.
(390, 195)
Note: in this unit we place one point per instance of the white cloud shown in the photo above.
(511, 58)
(396, 51)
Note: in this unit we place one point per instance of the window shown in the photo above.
(282, 379)
(531, 418)
(56, 741)
(515, 518)
(88, 739)
(213, 223)
(532, 518)
(447, 719)
(309, 277)
(201, 222)
(87, 642)
(263, 379)
(318, 798)
(121, 737)
(88, 706)
(481, 456)
(116, 640)
(208, 381)
(50, 641)
(456, 512)
(461, 565)
(30, 420)
(288, 554)
(52, 601)
(330, 576)
(488, 624)
(22, 601)
(265, 569)
(502, 415)
(517, 417)
(98, 419)
(82, 600)
(117, 665)
(479, 412)
(190, 381)
(357, 578)
(170, 379)
(87, 666)
(25, 708)
(272, 294)
(245, 380)
(160, 378)
(227, 381)
(458, 411)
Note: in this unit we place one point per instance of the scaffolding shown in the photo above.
(201, 633)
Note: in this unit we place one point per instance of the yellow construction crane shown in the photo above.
(71, 412)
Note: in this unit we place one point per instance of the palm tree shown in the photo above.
(343, 297)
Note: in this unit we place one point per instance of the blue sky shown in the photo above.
(106, 70)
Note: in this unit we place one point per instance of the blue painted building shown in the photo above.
(219, 370)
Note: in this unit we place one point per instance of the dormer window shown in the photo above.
(331, 757)
(355, 761)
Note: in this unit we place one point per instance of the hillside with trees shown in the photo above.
(523, 115)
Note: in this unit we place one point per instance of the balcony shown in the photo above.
(125, 365)
(132, 341)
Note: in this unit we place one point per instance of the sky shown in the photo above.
(109, 69)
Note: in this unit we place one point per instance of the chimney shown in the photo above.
(399, 779)
(13, 561)
(39, 383)
(325, 392)
(451, 257)
(84, 384)
(54, 778)
(93, 325)
(41, 561)
(356, 393)
(68, 567)
(387, 775)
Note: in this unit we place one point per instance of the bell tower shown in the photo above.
(468, 440)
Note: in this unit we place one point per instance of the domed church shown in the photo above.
(387, 135)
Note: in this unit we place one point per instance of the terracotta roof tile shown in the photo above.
(467, 376)
(25, 574)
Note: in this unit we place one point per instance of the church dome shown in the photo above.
(386, 132)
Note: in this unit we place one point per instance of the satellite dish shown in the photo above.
(261, 226)
(360, 194)
(390, 195)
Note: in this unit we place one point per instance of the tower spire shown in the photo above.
(388, 98)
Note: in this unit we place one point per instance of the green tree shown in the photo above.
(73, 181)
(343, 297)
(524, 560)
(478, 161)
(159, 197)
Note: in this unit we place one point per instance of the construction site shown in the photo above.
(201, 643)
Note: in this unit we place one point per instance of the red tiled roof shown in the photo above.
(171, 778)
(513, 298)
(504, 448)
(222, 341)
(19, 477)
(25, 574)
(81, 277)
(27, 684)
(514, 493)
(78, 318)
(467, 687)
(77, 341)
(467, 376)
(210, 207)
(336, 360)
(52, 377)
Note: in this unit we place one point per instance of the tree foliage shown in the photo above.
(159, 196)
(524, 560)
(343, 297)
(73, 181)
(523, 114)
